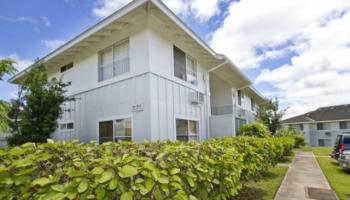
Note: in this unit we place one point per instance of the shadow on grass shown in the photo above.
(250, 193)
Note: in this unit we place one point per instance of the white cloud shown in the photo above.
(52, 44)
(313, 35)
(20, 19)
(253, 24)
(200, 10)
(107, 7)
(21, 63)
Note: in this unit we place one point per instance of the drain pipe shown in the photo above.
(207, 87)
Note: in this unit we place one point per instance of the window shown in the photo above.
(122, 130)
(115, 130)
(239, 97)
(239, 122)
(320, 126)
(185, 67)
(186, 130)
(66, 67)
(344, 125)
(66, 126)
(301, 127)
(106, 131)
(252, 104)
(114, 61)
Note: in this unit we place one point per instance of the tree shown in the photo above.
(6, 67)
(34, 114)
(271, 116)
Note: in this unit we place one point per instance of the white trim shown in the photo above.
(113, 118)
(85, 34)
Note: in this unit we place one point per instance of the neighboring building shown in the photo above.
(322, 126)
(142, 74)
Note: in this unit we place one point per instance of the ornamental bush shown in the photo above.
(214, 169)
(255, 129)
(295, 133)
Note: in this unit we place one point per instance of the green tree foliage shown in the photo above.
(214, 169)
(34, 114)
(255, 129)
(6, 67)
(270, 114)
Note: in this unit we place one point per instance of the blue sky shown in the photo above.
(293, 58)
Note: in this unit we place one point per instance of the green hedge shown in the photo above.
(255, 129)
(214, 169)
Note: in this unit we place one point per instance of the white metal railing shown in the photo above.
(222, 110)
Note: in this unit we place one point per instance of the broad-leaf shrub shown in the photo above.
(295, 133)
(214, 169)
(255, 129)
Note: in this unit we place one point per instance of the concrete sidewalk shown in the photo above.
(303, 172)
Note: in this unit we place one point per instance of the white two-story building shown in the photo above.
(142, 74)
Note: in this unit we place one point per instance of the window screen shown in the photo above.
(191, 70)
(121, 58)
(114, 61)
(106, 65)
(180, 64)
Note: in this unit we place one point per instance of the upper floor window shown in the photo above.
(301, 127)
(185, 67)
(114, 60)
(344, 125)
(324, 126)
(320, 126)
(66, 67)
(252, 104)
(239, 97)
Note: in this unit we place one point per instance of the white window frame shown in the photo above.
(187, 58)
(66, 123)
(112, 47)
(188, 119)
(114, 119)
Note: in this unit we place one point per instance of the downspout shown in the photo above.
(207, 91)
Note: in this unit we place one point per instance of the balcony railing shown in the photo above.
(222, 110)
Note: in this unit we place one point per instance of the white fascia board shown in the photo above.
(184, 27)
(88, 32)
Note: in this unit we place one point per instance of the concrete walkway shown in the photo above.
(303, 172)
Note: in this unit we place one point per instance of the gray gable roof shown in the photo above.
(339, 112)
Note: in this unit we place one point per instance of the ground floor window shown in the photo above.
(115, 130)
(186, 130)
(239, 122)
(64, 127)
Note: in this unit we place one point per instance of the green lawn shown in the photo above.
(337, 178)
(266, 188)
